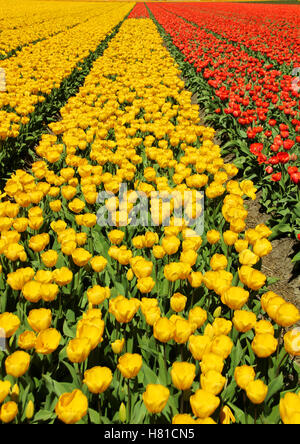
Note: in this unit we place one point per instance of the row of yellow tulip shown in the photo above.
(39, 67)
(134, 289)
(33, 21)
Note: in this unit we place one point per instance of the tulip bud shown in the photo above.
(122, 412)
(129, 275)
(29, 409)
(217, 312)
(118, 345)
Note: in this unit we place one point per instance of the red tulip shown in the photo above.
(223, 47)
(283, 127)
(274, 160)
(288, 144)
(292, 169)
(295, 177)
(276, 177)
(284, 134)
(283, 157)
(274, 148)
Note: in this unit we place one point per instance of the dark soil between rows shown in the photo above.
(278, 263)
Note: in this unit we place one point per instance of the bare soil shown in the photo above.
(278, 263)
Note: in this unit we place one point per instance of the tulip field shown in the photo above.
(134, 138)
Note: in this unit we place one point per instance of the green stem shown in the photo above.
(182, 402)
(129, 401)
(99, 409)
(182, 352)
(245, 410)
(281, 362)
(192, 299)
(79, 373)
(118, 330)
(164, 353)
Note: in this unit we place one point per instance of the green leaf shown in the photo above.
(24, 395)
(163, 373)
(250, 352)
(297, 210)
(271, 280)
(101, 245)
(297, 368)
(238, 413)
(296, 257)
(94, 416)
(229, 392)
(239, 163)
(43, 415)
(274, 387)
(59, 388)
(104, 420)
(73, 372)
(150, 376)
(148, 350)
(243, 134)
(69, 331)
(273, 417)
(236, 357)
(139, 413)
(279, 229)
(119, 288)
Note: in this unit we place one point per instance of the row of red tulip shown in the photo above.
(245, 72)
